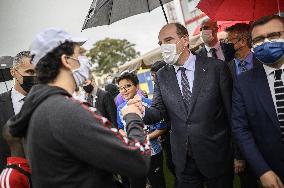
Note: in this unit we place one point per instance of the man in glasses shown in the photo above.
(258, 104)
(239, 37)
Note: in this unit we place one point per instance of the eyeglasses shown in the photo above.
(125, 88)
(229, 41)
(270, 37)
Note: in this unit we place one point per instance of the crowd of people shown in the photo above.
(216, 113)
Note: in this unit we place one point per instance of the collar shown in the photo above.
(17, 95)
(189, 63)
(217, 46)
(248, 59)
(270, 70)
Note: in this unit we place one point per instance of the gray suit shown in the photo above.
(6, 111)
(205, 129)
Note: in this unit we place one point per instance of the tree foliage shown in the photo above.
(110, 53)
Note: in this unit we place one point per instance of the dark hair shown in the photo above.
(157, 66)
(266, 19)
(181, 30)
(129, 76)
(242, 30)
(48, 67)
(112, 89)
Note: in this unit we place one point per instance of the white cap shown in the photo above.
(49, 39)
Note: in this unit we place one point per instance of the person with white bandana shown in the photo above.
(66, 144)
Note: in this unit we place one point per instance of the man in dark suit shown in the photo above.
(239, 37)
(12, 101)
(101, 100)
(194, 93)
(212, 46)
(257, 107)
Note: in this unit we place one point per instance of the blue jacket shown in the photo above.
(155, 144)
(255, 123)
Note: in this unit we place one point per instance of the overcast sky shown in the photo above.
(21, 20)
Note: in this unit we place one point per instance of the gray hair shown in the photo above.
(18, 58)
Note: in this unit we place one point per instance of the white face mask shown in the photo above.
(207, 36)
(82, 73)
(169, 53)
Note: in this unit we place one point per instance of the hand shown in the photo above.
(122, 132)
(136, 99)
(239, 166)
(134, 108)
(270, 180)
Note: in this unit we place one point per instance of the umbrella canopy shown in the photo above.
(240, 10)
(106, 12)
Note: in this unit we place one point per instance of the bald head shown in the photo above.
(179, 29)
(208, 24)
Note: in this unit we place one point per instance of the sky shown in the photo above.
(21, 20)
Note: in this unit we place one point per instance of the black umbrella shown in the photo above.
(6, 62)
(106, 12)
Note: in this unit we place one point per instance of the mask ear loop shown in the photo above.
(182, 49)
(19, 74)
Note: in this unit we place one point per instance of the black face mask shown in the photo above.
(88, 88)
(28, 83)
(229, 51)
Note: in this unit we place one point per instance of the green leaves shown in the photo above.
(111, 53)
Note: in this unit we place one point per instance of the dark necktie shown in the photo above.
(185, 87)
(279, 97)
(243, 67)
(213, 53)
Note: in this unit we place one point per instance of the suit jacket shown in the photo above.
(255, 123)
(232, 66)
(205, 126)
(6, 111)
(227, 54)
(106, 106)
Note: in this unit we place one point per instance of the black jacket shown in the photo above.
(206, 127)
(6, 112)
(106, 106)
(69, 146)
(227, 52)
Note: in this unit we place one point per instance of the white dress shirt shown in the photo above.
(189, 65)
(270, 77)
(219, 51)
(17, 100)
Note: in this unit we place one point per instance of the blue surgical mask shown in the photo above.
(269, 52)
